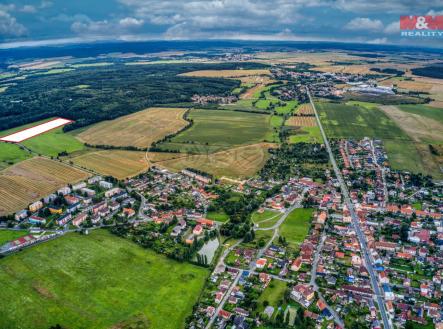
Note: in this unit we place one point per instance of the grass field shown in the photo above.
(296, 226)
(239, 162)
(258, 217)
(288, 108)
(273, 294)
(353, 121)
(96, 281)
(32, 179)
(215, 130)
(139, 129)
(225, 73)
(219, 216)
(10, 154)
(306, 135)
(425, 111)
(116, 163)
(8, 235)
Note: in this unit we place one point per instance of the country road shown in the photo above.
(356, 223)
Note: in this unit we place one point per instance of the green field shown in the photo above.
(296, 226)
(96, 281)
(265, 215)
(424, 110)
(288, 108)
(214, 130)
(10, 154)
(306, 135)
(354, 121)
(8, 235)
(273, 294)
(218, 216)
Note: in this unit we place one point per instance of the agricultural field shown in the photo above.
(305, 109)
(74, 283)
(289, 107)
(32, 179)
(215, 130)
(305, 135)
(296, 226)
(11, 154)
(298, 121)
(139, 129)
(424, 110)
(239, 162)
(117, 163)
(226, 73)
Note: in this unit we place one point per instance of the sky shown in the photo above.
(46, 22)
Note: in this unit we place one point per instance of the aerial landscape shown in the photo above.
(220, 164)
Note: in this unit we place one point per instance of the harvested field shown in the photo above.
(305, 109)
(408, 84)
(225, 73)
(32, 179)
(301, 121)
(116, 163)
(139, 129)
(419, 128)
(350, 69)
(239, 162)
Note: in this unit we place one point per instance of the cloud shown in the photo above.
(9, 27)
(363, 23)
(129, 22)
(29, 9)
(433, 12)
(393, 28)
(412, 7)
(85, 26)
(378, 41)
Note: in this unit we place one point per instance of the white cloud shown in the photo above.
(29, 9)
(129, 22)
(378, 41)
(393, 28)
(433, 12)
(9, 26)
(363, 23)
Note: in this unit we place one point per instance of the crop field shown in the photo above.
(116, 163)
(32, 179)
(139, 129)
(305, 135)
(239, 162)
(289, 107)
(11, 154)
(226, 73)
(301, 121)
(418, 127)
(425, 111)
(296, 226)
(354, 121)
(305, 109)
(215, 130)
(96, 281)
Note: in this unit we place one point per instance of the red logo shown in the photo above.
(421, 22)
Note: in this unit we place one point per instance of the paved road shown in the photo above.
(356, 223)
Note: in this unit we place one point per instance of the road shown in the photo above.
(356, 223)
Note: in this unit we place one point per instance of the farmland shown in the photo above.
(301, 121)
(74, 283)
(140, 129)
(32, 179)
(240, 162)
(215, 130)
(296, 226)
(116, 163)
(226, 73)
(8, 235)
(10, 154)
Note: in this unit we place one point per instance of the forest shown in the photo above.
(90, 95)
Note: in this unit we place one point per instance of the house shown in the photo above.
(296, 264)
(389, 295)
(70, 199)
(79, 219)
(261, 263)
(50, 198)
(128, 212)
(114, 206)
(218, 297)
(110, 193)
(106, 185)
(303, 293)
(95, 179)
(36, 220)
(225, 314)
(55, 210)
(198, 229)
(64, 190)
(36, 206)
(205, 222)
(210, 310)
(63, 220)
(22, 214)
(78, 186)
(88, 191)
(189, 239)
(321, 219)
(73, 207)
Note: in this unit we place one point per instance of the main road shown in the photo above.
(356, 223)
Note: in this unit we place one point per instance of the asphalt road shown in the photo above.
(355, 221)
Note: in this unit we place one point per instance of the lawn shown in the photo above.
(96, 281)
(219, 216)
(10, 154)
(8, 235)
(296, 225)
(273, 294)
(288, 108)
(220, 129)
(306, 135)
(265, 215)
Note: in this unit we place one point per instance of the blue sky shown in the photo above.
(25, 22)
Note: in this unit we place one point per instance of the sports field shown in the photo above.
(96, 281)
(32, 179)
(215, 130)
(139, 129)
(296, 226)
(116, 163)
(239, 162)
